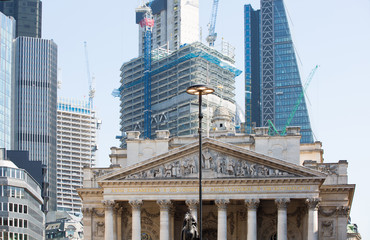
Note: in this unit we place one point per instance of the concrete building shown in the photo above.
(77, 127)
(176, 22)
(171, 107)
(273, 87)
(35, 101)
(21, 215)
(28, 16)
(254, 187)
(7, 26)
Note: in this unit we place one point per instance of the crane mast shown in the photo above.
(212, 36)
(147, 24)
(89, 79)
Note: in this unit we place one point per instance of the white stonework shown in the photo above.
(254, 187)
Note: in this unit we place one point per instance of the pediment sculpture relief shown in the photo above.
(214, 164)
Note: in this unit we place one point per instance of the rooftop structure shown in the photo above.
(272, 80)
(76, 148)
(171, 107)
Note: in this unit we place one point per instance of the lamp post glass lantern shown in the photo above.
(200, 90)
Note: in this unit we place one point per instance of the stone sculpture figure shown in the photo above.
(189, 228)
(207, 160)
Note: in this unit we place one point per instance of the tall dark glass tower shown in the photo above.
(35, 101)
(27, 13)
(273, 84)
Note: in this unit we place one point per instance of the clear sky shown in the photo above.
(333, 33)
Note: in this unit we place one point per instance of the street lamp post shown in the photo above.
(200, 90)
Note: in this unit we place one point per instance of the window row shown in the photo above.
(11, 172)
(13, 222)
(14, 192)
(13, 236)
(14, 207)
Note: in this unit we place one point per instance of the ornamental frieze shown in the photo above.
(214, 165)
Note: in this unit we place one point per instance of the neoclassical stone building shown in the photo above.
(254, 187)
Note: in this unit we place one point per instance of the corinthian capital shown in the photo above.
(222, 203)
(252, 204)
(164, 204)
(313, 203)
(109, 204)
(192, 204)
(136, 204)
(282, 203)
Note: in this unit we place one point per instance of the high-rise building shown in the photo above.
(35, 101)
(27, 13)
(171, 107)
(76, 147)
(21, 215)
(7, 26)
(176, 22)
(273, 84)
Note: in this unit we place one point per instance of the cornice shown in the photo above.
(210, 182)
(337, 188)
(89, 191)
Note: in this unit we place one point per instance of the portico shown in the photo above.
(246, 195)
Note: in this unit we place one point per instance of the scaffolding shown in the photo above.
(171, 75)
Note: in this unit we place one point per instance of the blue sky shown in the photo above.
(332, 33)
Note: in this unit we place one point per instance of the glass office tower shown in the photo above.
(7, 26)
(35, 104)
(276, 90)
(27, 13)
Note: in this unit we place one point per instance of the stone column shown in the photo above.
(193, 207)
(222, 218)
(136, 218)
(252, 205)
(164, 207)
(282, 204)
(119, 223)
(109, 221)
(115, 209)
(88, 213)
(172, 222)
(313, 218)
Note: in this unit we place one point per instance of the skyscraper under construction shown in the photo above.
(172, 108)
(274, 92)
(171, 59)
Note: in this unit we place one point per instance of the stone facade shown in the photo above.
(254, 187)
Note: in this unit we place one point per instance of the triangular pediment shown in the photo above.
(219, 160)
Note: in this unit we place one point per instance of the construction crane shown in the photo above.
(300, 99)
(211, 38)
(147, 24)
(273, 130)
(89, 79)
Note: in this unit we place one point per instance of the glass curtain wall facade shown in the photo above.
(36, 105)
(252, 67)
(7, 34)
(27, 13)
(280, 85)
(76, 146)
